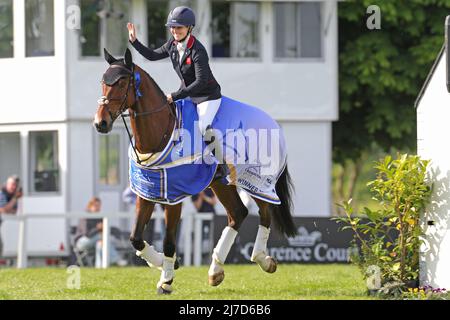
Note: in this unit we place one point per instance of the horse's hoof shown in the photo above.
(268, 265)
(272, 265)
(164, 289)
(176, 264)
(216, 279)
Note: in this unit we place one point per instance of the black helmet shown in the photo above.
(181, 17)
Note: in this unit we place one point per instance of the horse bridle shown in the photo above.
(124, 106)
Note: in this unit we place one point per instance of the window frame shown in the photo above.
(26, 45)
(258, 59)
(12, 36)
(123, 161)
(32, 163)
(300, 59)
(102, 37)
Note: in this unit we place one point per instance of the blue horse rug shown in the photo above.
(247, 139)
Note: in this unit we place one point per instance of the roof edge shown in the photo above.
(429, 76)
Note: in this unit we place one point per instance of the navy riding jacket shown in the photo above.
(197, 80)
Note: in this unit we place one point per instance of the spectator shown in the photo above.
(9, 197)
(90, 228)
(89, 235)
(205, 202)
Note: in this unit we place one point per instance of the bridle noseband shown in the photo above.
(104, 101)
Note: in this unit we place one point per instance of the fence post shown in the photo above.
(187, 238)
(105, 243)
(198, 240)
(22, 256)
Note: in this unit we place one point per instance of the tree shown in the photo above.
(380, 74)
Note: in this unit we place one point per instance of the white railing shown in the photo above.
(192, 222)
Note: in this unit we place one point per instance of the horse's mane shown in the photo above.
(158, 89)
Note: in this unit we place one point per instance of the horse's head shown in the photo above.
(118, 92)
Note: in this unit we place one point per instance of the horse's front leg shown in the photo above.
(144, 210)
(172, 218)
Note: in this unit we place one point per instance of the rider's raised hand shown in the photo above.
(131, 32)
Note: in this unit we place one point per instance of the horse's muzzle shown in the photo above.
(102, 126)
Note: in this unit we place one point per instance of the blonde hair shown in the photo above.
(92, 202)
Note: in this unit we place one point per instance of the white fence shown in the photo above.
(192, 223)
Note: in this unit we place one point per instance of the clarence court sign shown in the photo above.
(318, 241)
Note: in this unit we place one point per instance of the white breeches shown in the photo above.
(206, 112)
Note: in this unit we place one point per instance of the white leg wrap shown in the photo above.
(222, 249)
(224, 244)
(168, 272)
(260, 247)
(151, 256)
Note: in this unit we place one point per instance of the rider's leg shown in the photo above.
(206, 112)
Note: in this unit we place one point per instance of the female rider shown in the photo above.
(190, 61)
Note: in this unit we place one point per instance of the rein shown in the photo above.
(123, 106)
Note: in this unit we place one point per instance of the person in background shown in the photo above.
(91, 228)
(205, 202)
(10, 194)
(89, 235)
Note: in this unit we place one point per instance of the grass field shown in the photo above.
(241, 282)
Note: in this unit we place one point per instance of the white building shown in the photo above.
(433, 130)
(278, 55)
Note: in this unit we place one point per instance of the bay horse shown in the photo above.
(125, 86)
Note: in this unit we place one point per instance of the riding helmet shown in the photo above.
(181, 17)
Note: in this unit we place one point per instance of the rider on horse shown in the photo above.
(190, 61)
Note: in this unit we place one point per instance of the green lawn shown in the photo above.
(241, 282)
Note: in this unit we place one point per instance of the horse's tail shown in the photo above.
(281, 214)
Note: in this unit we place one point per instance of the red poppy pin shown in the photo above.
(188, 60)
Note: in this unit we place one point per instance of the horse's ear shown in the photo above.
(128, 59)
(108, 57)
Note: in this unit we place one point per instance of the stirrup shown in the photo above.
(207, 130)
(221, 172)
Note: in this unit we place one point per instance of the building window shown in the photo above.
(103, 25)
(90, 30)
(6, 29)
(9, 155)
(39, 28)
(235, 29)
(298, 32)
(44, 161)
(109, 161)
(157, 12)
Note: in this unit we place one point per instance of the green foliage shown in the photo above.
(382, 71)
(391, 237)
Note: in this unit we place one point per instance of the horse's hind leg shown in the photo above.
(144, 210)
(236, 211)
(172, 217)
(259, 254)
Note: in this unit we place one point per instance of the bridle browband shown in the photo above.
(124, 106)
